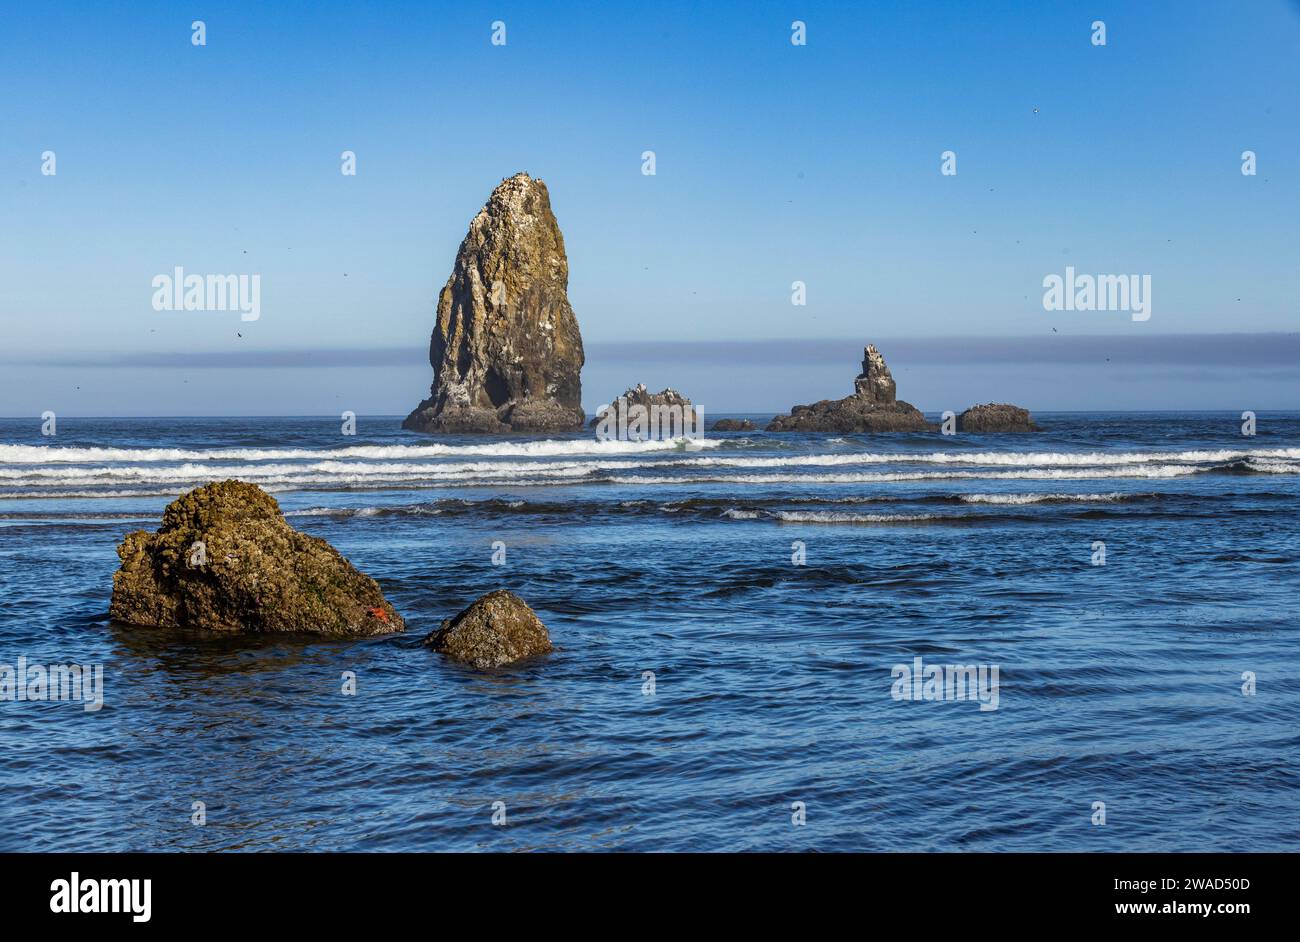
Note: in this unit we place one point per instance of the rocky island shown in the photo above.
(225, 559)
(873, 407)
(506, 351)
(996, 417)
(665, 414)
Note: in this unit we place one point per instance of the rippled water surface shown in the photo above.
(1120, 683)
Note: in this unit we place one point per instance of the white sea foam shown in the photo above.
(664, 450)
(987, 458)
(826, 516)
(320, 471)
(281, 477)
(1016, 499)
(47, 454)
(416, 510)
(837, 516)
(879, 477)
(57, 471)
(1273, 467)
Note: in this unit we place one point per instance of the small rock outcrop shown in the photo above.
(670, 403)
(225, 559)
(996, 417)
(873, 407)
(496, 630)
(506, 351)
(733, 425)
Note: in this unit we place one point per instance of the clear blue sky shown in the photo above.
(775, 163)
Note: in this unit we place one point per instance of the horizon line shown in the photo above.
(1224, 349)
(727, 413)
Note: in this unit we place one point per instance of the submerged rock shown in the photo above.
(733, 425)
(996, 417)
(225, 559)
(506, 351)
(873, 407)
(496, 630)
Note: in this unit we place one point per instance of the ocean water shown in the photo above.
(773, 675)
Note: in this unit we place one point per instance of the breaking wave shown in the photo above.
(833, 516)
(1017, 499)
(46, 454)
(880, 477)
(56, 471)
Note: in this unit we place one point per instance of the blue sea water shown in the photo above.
(774, 681)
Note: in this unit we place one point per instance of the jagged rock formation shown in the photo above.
(873, 407)
(996, 417)
(496, 630)
(225, 559)
(506, 351)
(733, 425)
(875, 383)
(672, 405)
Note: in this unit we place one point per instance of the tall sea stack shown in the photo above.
(506, 351)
